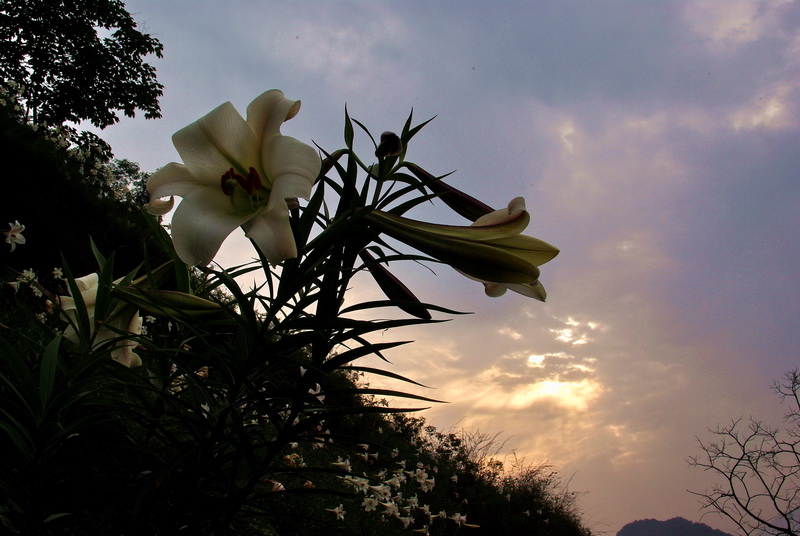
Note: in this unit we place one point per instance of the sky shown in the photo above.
(655, 144)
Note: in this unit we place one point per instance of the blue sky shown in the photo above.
(655, 144)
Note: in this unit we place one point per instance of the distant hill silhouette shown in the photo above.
(677, 526)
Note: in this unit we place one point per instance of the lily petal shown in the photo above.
(172, 179)
(269, 111)
(219, 140)
(503, 224)
(159, 207)
(201, 223)
(273, 235)
(292, 167)
(534, 290)
(531, 290)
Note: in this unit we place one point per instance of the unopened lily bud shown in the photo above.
(491, 250)
(390, 145)
(462, 204)
(393, 288)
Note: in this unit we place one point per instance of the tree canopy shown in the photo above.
(78, 60)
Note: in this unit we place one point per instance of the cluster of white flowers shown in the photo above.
(386, 499)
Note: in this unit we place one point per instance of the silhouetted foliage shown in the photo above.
(63, 197)
(677, 526)
(78, 60)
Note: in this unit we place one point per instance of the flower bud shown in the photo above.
(390, 145)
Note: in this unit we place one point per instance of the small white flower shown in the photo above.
(27, 276)
(370, 504)
(428, 484)
(420, 475)
(396, 481)
(391, 508)
(381, 492)
(58, 273)
(339, 511)
(316, 392)
(458, 518)
(361, 484)
(342, 464)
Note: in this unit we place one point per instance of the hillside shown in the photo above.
(677, 526)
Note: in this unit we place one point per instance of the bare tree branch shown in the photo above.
(758, 467)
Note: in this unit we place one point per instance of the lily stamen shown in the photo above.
(252, 182)
(229, 179)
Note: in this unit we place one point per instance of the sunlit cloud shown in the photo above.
(510, 333)
(773, 110)
(727, 24)
(575, 333)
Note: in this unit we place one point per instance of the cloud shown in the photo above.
(776, 109)
(728, 24)
(354, 51)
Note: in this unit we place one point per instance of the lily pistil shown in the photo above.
(230, 179)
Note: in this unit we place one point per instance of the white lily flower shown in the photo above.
(391, 508)
(491, 250)
(124, 318)
(339, 511)
(458, 518)
(370, 504)
(236, 172)
(14, 234)
(533, 290)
